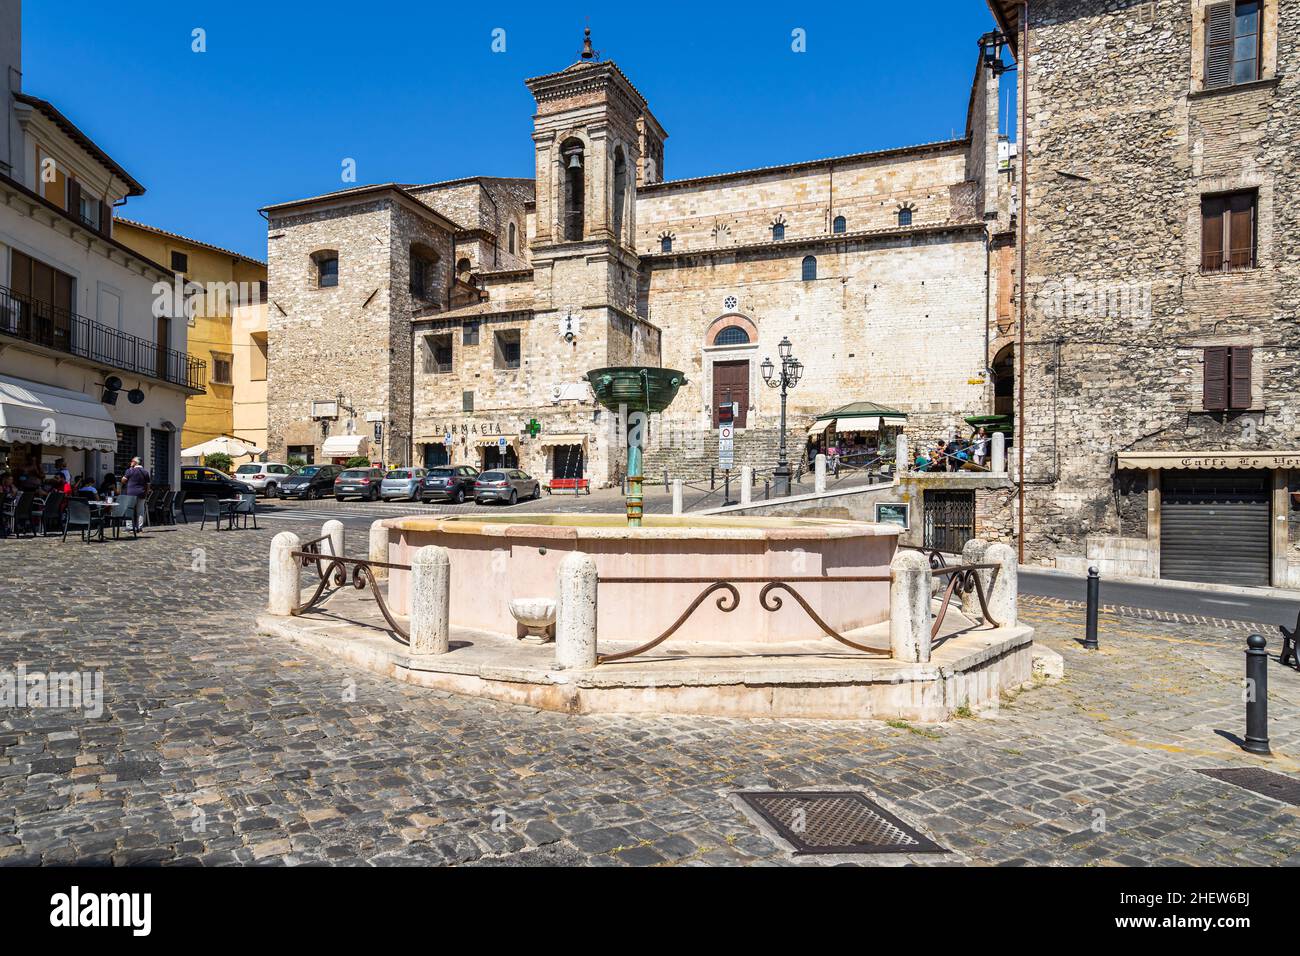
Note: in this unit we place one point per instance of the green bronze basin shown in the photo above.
(640, 389)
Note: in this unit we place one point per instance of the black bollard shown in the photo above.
(1256, 696)
(767, 489)
(726, 487)
(1094, 598)
(713, 478)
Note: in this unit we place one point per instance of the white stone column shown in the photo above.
(283, 594)
(1006, 584)
(430, 601)
(746, 484)
(902, 461)
(999, 462)
(819, 474)
(379, 548)
(575, 614)
(972, 552)
(333, 529)
(909, 607)
(677, 496)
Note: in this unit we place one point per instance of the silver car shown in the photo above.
(506, 484)
(402, 483)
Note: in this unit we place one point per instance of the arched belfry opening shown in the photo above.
(620, 192)
(573, 166)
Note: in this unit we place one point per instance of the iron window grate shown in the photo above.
(823, 822)
(1264, 782)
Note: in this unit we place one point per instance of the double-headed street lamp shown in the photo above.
(788, 377)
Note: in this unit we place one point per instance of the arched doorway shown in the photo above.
(1004, 381)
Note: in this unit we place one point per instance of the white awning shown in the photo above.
(1195, 460)
(222, 444)
(345, 446)
(547, 440)
(48, 415)
(819, 427)
(484, 441)
(861, 423)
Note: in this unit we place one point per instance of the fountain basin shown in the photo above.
(496, 559)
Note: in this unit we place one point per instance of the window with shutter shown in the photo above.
(1232, 43)
(1212, 234)
(1239, 362)
(1228, 232)
(1215, 387)
(1218, 45)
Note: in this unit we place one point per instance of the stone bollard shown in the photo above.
(909, 607)
(901, 460)
(999, 453)
(677, 496)
(378, 548)
(283, 595)
(972, 552)
(430, 601)
(333, 529)
(746, 484)
(819, 475)
(575, 614)
(1003, 601)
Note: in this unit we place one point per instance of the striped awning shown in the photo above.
(40, 414)
(1208, 459)
(860, 423)
(484, 441)
(819, 427)
(547, 440)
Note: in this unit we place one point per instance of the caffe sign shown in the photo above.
(1199, 460)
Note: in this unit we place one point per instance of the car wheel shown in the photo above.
(478, 501)
(338, 497)
(270, 491)
(514, 497)
(459, 497)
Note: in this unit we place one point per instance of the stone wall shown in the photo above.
(1123, 143)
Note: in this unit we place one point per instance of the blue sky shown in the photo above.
(413, 92)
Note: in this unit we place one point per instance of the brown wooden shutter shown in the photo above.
(105, 218)
(1212, 211)
(1241, 231)
(1215, 389)
(1218, 45)
(74, 199)
(1239, 363)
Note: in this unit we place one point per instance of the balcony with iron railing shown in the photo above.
(60, 330)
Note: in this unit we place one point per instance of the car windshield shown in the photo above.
(249, 469)
(355, 473)
(398, 474)
(307, 470)
(493, 476)
(440, 473)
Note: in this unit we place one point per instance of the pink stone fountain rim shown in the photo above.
(655, 527)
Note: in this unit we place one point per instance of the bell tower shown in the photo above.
(587, 139)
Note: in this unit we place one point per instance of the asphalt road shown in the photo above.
(1233, 607)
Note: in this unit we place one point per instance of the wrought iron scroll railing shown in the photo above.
(333, 569)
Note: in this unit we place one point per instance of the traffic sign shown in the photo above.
(726, 432)
(501, 443)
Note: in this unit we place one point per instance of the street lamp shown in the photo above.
(788, 377)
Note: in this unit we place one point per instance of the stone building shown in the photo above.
(1161, 435)
(885, 269)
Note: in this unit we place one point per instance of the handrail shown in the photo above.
(41, 323)
(334, 567)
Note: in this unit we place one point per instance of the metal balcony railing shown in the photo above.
(39, 322)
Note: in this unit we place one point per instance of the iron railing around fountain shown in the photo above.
(333, 568)
(962, 580)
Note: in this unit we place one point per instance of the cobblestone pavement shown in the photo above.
(219, 746)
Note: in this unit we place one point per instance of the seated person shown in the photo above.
(88, 489)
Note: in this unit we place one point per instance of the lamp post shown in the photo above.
(787, 378)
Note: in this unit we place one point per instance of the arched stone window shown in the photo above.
(666, 244)
(463, 269)
(620, 191)
(326, 270)
(778, 231)
(905, 215)
(809, 268)
(571, 165)
(732, 335)
(840, 225)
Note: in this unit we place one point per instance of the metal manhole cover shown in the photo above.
(836, 822)
(1264, 782)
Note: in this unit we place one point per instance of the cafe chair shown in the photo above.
(247, 505)
(212, 511)
(123, 513)
(80, 517)
(24, 514)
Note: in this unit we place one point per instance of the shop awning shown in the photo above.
(58, 417)
(345, 446)
(887, 415)
(483, 441)
(861, 423)
(819, 427)
(547, 440)
(1198, 460)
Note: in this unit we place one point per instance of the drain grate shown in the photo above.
(1265, 782)
(836, 822)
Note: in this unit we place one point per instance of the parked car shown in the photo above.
(402, 483)
(452, 483)
(265, 477)
(506, 484)
(359, 482)
(198, 481)
(310, 481)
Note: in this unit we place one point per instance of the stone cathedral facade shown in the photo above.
(462, 316)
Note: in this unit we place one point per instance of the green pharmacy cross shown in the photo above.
(627, 390)
(534, 428)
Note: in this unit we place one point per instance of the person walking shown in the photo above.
(135, 481)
